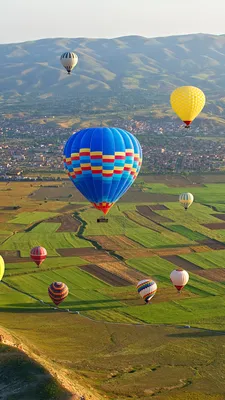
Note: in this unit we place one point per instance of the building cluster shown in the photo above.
(28, 149)
(183, 154)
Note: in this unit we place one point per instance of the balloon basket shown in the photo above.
(102, 219)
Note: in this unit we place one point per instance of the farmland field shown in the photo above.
(118, 348)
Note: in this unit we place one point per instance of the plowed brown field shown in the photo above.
(180, 262)
(213, 244)
(67, 221)
(148, 213)
(156, 207)
(170, 252)
(101, 257)
(80, 252)
(122, 270)
(115, 242)
(218, 226)
(215, 274)
(200, 249)
(135, 253)
(219, 216)
(105, 276)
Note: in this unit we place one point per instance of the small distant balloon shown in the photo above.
(2, 267)
(186, 200)
(58, 291)
(179, 278)
(187, 102)
(38, 255)
(147, 288)
(69, 60)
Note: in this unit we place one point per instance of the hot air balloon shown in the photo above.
(102, 163)
(38, 255)
(186, 200)
(147, 289)
(187, 102)
(58, 291)
(179, 278)
(2, 267)
(69, 61)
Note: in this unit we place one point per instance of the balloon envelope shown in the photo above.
(69, 60)
(2, 267)
(147, 289)
(102, 163)
(179, 277)
(38, 255)
(58, 291)
(187, 102)
(186, 200)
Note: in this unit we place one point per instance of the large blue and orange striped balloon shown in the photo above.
(102, 163)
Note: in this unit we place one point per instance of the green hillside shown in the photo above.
(109, 66)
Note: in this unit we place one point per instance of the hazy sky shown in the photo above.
(22, 20)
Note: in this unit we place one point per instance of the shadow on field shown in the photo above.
(24, 309)
(73, 306)
(197, 334)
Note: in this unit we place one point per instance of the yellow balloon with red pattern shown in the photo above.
(187, 102)
(2, 267)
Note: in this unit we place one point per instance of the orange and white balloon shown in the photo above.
(179, 278)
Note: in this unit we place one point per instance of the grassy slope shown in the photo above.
(125, 361)
(23, 379)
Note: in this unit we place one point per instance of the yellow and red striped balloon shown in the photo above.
(38, 255)
(58, 291)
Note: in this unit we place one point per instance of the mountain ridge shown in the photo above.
(127, 63)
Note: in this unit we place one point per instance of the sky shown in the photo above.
(24, 20)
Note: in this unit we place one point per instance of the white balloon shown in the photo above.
(179, 278)
(69, 60)
(147, 289)
(186, 200)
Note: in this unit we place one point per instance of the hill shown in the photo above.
(23, 379)
(106, 66)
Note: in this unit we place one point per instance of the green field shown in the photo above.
(160, 269)
(187, 232)
(206, 260)
(191, 311)
(26, 218)
(207, 194)
(50, 263)
(51, 241)
(118, 348)
(150, 239)
(118, 224)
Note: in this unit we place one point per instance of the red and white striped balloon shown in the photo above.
(38, 255)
